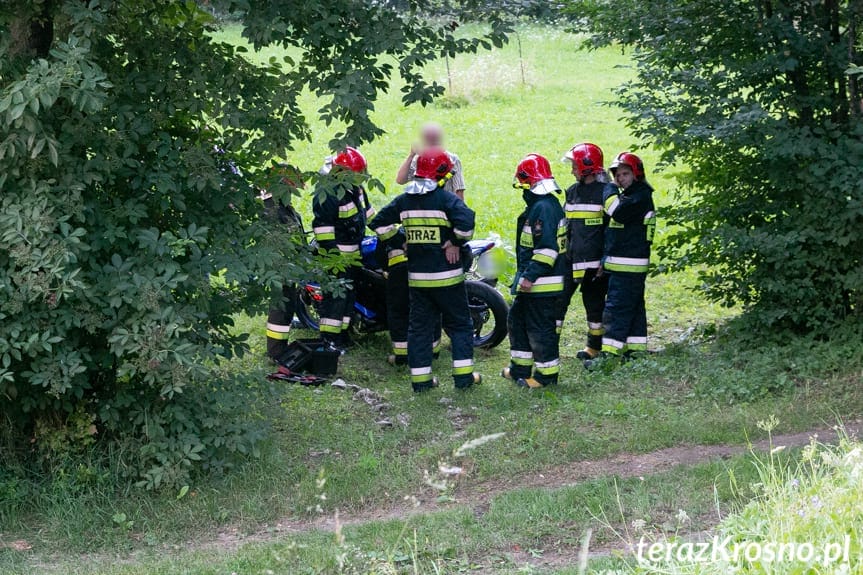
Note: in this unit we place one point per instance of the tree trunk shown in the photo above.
(836, 77)
(855, 10)
(32, 33)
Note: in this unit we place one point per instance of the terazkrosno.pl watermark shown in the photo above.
(726, 550)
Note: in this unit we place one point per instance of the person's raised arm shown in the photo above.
(403, 176)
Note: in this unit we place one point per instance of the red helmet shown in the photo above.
(630, 160)
(532, 169)
(587, 159)
(433, 164)
(351, 159)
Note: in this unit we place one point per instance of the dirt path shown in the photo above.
(477, 496)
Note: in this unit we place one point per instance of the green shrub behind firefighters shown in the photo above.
(756, 100)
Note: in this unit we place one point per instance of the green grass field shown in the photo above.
(327, 455)
(492, 120)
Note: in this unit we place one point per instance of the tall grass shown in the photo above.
(806, 517)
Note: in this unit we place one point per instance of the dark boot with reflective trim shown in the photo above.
(477, 379)
(531, 383)
(425, 386)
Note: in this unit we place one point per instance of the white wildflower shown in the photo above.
(769, 424)
(450, 470)
(474, 443)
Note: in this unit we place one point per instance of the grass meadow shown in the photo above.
(492, 120)
(333, 491)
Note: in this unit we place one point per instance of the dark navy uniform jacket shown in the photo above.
(541, 245)
(430, 220)
(630, 229)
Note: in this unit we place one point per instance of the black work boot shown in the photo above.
(476, 379)
(425, 386)
(604, 360)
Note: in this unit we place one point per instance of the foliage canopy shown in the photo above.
(753, 97)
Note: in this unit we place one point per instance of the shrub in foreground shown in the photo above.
(132, 148)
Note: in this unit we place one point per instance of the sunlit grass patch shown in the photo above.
(805, 516)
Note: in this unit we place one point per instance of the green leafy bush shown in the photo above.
(753, 98)
(132, 150)
(121, 162)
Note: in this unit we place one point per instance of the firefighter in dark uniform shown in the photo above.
(281, 313)
(339, 223)
(627, 257)
(586, 224)
(436, 223)
(398, 300)
(541, 266)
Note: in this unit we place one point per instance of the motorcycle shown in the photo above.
(488, 308)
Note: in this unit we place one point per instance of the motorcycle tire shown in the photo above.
(305, 310)
(486, 304)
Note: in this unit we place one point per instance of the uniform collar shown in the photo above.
(545, 187)
(421, 186)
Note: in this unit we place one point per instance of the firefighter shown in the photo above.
(281, 312)
(437, 223)
(586, 225)
(398, 300)
(539, 282)
(339, 222)
(627, 257)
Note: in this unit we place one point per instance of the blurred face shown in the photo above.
(432, 136)
(623, 177)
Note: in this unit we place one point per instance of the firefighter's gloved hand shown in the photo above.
(453, 253)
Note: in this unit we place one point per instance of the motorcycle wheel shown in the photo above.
(306, 310)
(488, 311)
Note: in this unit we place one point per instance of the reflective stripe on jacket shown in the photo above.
(586, 224)
(339, 223)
